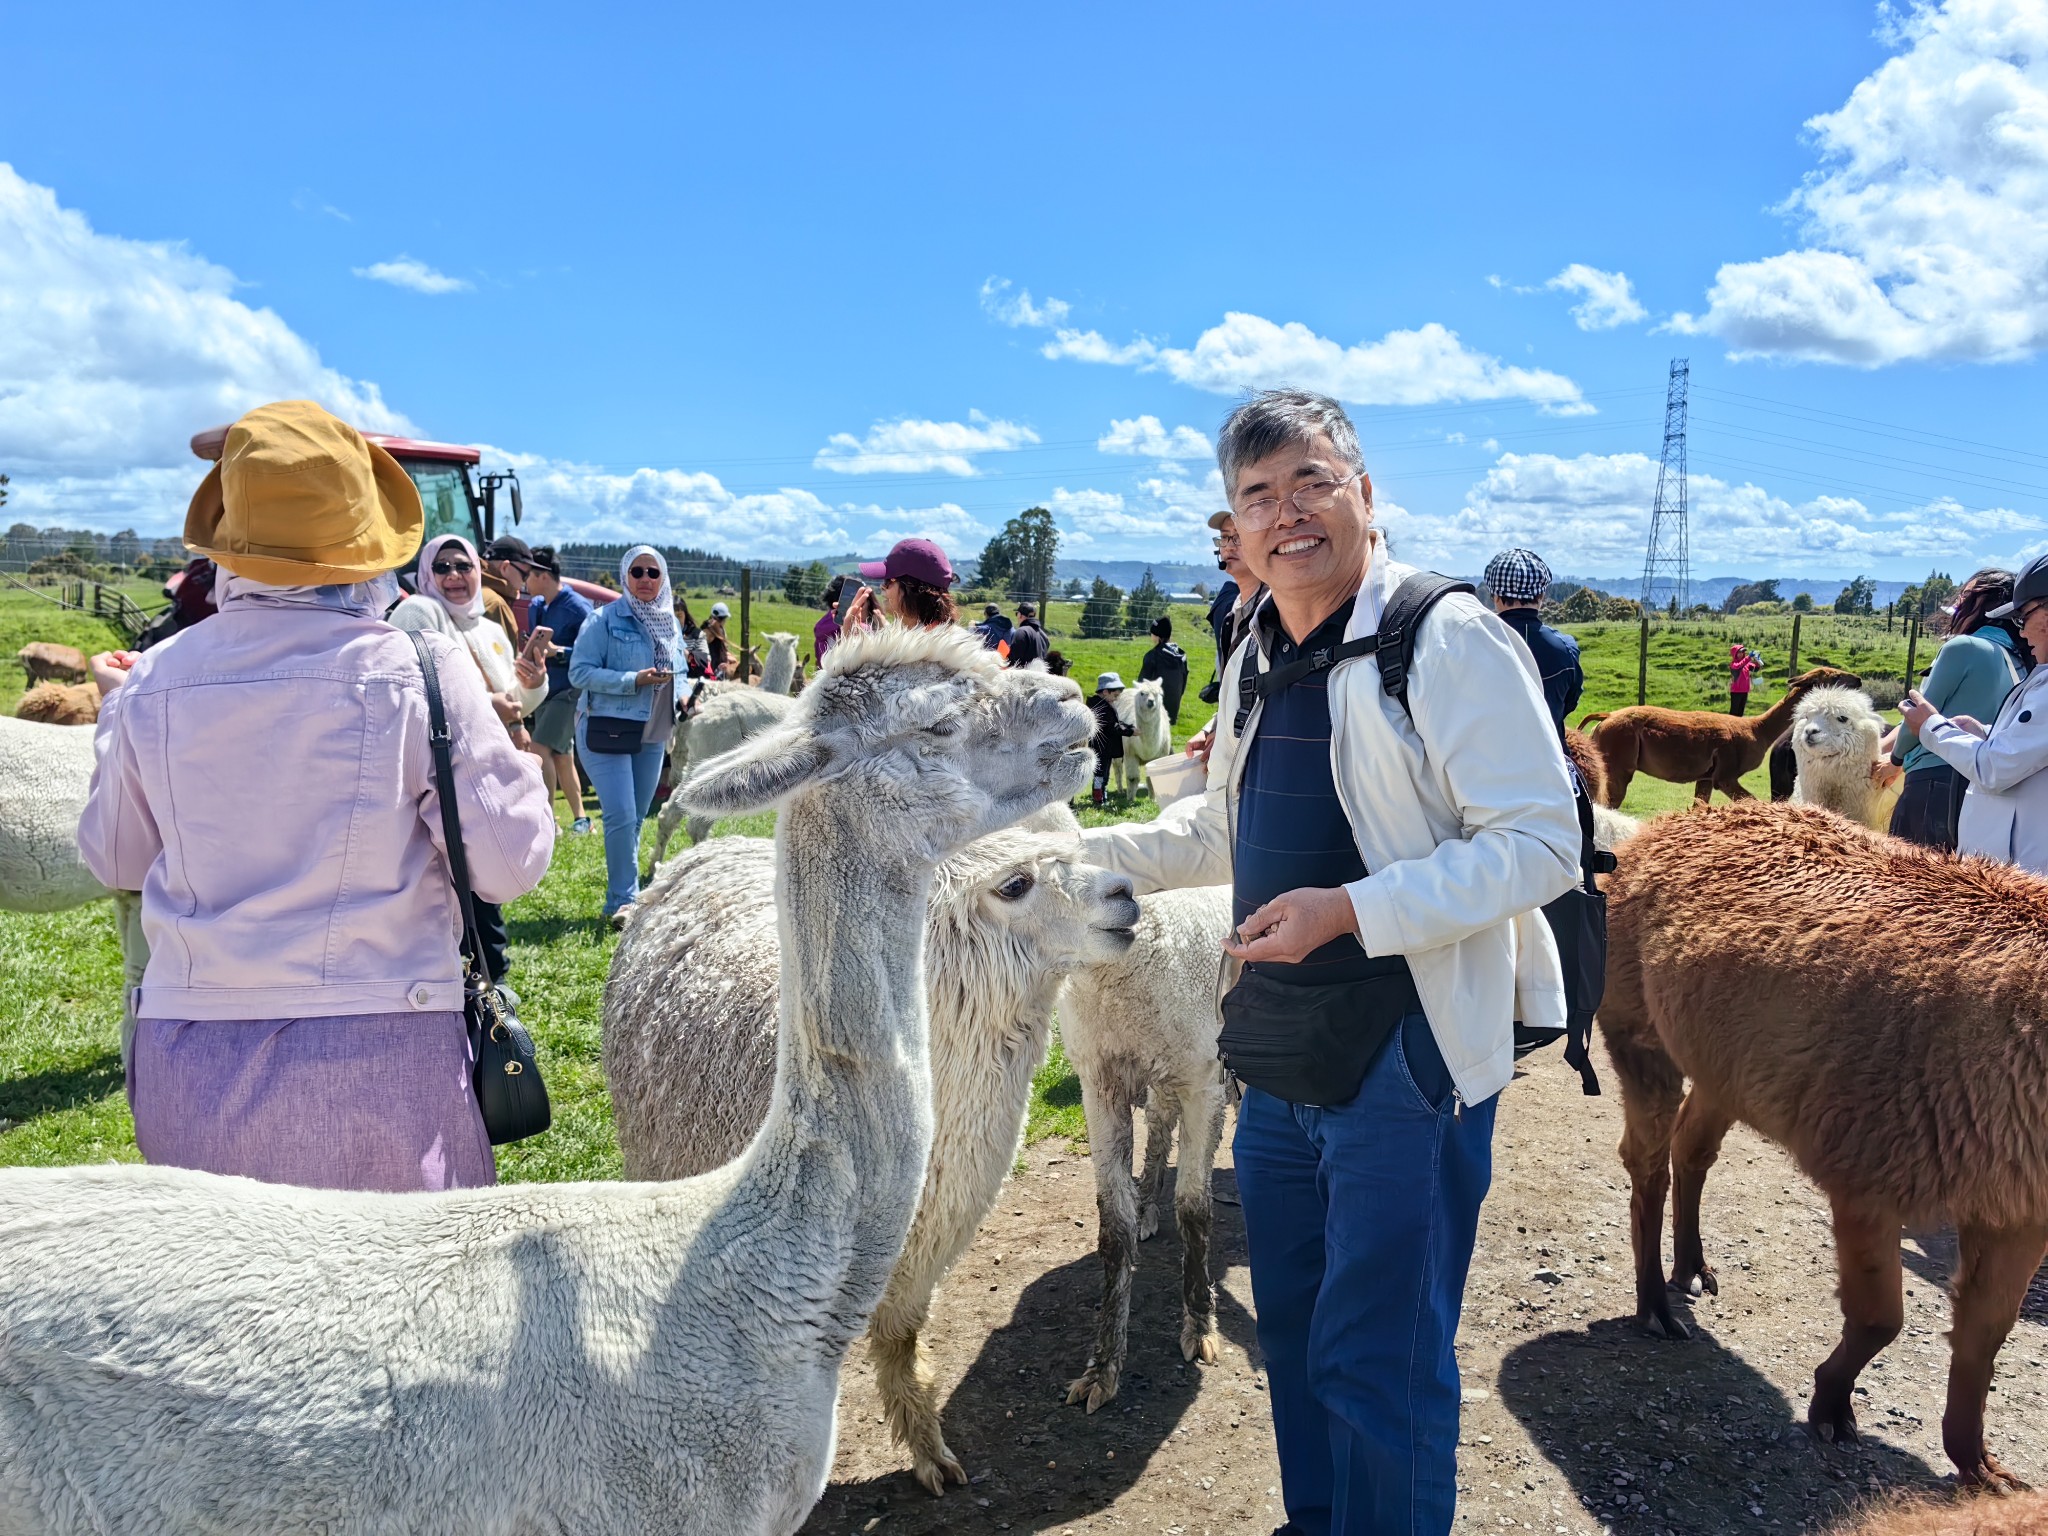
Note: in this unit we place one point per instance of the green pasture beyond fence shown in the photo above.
(1683, 663)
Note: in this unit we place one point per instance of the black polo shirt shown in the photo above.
(1291, 827)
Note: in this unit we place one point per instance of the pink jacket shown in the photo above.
(264, 779)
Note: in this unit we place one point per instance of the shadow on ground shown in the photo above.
(1037, 1464)
(1685, 1437)
(56, 1089)
(1933, 1257)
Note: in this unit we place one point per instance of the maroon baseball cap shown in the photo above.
(919, 559)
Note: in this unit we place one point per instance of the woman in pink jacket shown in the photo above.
(265, 781)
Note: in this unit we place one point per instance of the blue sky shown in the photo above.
(801, 280)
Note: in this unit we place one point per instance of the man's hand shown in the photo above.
(110, 669)
(1292, 926)
(1202, 742)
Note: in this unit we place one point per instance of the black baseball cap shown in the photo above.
(2031, 587)
(509, 547)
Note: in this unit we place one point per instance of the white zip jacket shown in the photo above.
(2005, 814)
(1463, 815)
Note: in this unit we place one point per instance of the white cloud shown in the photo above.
(406, 272)
(912, 447)
(1608, 300)
(1147, 437)
(999, 303)
(113, 352)
(1926, 226)
(1426, 366)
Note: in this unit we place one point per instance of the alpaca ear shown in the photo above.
(756, 773)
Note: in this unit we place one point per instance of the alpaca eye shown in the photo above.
(1013, 889)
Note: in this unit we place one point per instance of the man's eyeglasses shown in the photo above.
(645, 573)
(452, 567)
(1316, 496)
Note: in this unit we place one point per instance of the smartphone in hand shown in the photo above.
(538, 643)
(853, 589)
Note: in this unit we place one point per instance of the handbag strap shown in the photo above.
(440, 741)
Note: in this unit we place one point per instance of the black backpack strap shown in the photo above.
(1402, 621)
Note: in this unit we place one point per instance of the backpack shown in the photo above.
(1578, 918)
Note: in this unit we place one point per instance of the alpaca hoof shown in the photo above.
(1832, 1420)
(1700, 1282)
(1148, 1222)
(1093, 1387)
(1658, 1323)
(935, 1474)
(1198, 1340)
(1987, 1475)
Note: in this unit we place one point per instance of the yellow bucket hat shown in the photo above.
(300, 499)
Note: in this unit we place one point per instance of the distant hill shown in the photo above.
(1714, 590)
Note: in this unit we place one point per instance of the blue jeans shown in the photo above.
(625, 783)
(1360, 1221)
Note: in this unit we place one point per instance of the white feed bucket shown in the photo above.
(1176, 777)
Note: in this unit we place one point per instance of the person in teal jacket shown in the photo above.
(1977, 666)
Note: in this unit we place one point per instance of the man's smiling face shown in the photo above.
(1316, 559)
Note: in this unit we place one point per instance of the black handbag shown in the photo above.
(613, 735)
(1307, 1043)
(503, 1070)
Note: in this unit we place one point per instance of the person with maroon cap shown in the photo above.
(916, 579)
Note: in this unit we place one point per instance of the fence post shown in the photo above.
(1887, 618)
(1912, 647)
(1643, 661)
(746, 621)
(1792, 666)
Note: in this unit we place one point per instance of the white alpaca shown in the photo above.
(1143, 705)
(689, 1044)
(180, 1351)
(779, 670)
(1146, 1024)
(45, 772)
(1835, 734)
(718, 719)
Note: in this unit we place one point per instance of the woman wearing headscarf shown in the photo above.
(448, 599)
(265, 780)
(624, 671)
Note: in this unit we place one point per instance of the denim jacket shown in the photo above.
(611, 651)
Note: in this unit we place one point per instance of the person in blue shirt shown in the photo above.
(562, 609)
(1518, 578)
(1976, 667)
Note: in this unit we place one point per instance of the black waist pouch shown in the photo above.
(613, 735)
(1311, 1044)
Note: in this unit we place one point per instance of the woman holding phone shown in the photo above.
(624, 671)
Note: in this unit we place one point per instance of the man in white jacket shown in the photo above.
(1388, 864)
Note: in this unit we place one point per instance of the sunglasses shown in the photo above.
(452, 567)
(645, 573)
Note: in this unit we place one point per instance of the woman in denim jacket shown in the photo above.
(623, 669)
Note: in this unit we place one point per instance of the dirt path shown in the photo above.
(1574, 1422)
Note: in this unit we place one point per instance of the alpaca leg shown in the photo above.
(664, 829)
(1873, 1311)
(1162, 1113)
(1201, 1130)
(1695, 1144)
(1991, 1283)
(1651, 1088)
(699, 827)
(1108, 1107)
(903, 1377)
(1703, 791)
(1618, 780)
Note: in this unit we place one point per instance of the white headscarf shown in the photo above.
(367, 599)
(464, 615)
(658, 617)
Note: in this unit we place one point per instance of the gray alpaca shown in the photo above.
(689, 1044)
(182, 1352)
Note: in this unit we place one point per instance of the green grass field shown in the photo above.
(61, 1098)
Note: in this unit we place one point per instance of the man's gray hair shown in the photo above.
(1274, 419)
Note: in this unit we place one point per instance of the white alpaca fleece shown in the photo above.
(184, 1352)
(779, 670)
(689, 1043)
(1835, 732)
(1143, 705)
(45, 773)
(727, 715)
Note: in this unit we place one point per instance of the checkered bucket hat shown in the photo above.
(1519, 575)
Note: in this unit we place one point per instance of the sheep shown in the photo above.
(45, 774)
(60, 704)
(718, 718)
(1707, 750)
(689, 1044)
(1876, 1008)
(1146, 1023)
(1835, 732)
(47, 662)
(1143, 705)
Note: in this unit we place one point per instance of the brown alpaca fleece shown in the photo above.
(1699, 747)
(47, 662)
(1878, 1009)
(1585, 757)
(60, 704)
(2022, 1514)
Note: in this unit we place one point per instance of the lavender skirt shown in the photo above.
(366, 1101)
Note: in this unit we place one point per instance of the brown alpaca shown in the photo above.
(47, 662)
(1697, 746)
(60, 704)
(2024, 1514)
(1879, 1010)
(1585, 757)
